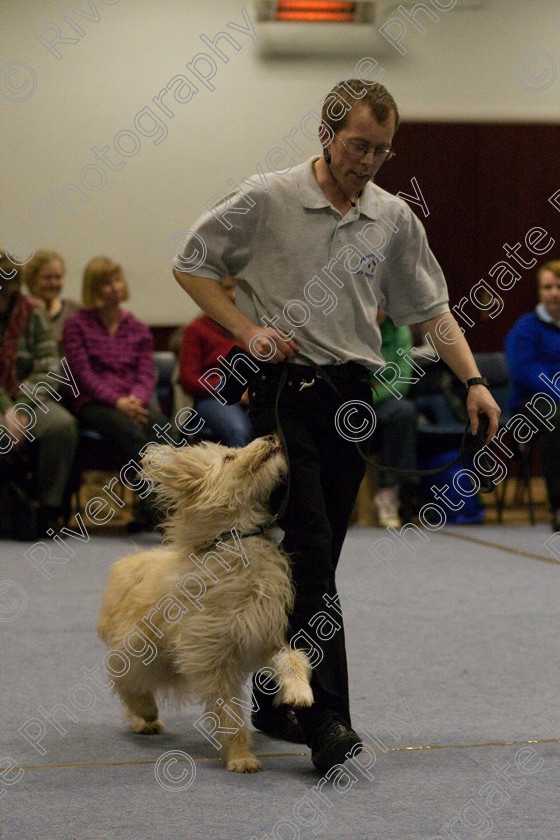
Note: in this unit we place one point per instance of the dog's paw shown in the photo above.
(297, 693)
(246, 764)
(146, 727)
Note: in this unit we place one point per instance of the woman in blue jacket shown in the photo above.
(533, 348)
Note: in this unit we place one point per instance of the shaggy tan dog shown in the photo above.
(196, 616)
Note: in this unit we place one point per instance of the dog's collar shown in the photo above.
(257, 532)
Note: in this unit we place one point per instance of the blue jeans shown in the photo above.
(229, 424)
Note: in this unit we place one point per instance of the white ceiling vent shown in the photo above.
(315, 27)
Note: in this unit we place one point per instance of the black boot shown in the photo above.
(279, 722)
(275, 721)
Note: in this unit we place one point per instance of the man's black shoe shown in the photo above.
(331, 744)
(279, 723)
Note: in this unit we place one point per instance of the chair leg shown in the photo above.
(500, 496)
(71, 501)
(526, 464)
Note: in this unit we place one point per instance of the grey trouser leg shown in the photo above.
(56, 437)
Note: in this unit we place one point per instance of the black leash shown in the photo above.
(469, 447)
(470, 444)
(232, 391)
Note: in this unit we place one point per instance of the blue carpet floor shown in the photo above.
(454, 655)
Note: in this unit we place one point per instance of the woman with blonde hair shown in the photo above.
(44, 278)
(37, 432)
(110, 353)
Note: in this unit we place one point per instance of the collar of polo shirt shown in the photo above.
(313, 197)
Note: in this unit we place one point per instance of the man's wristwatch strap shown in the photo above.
(476, 380)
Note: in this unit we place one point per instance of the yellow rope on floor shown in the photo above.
(282, 755)
(505, 548)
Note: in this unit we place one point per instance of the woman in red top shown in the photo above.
(203, 341)
(110, 354)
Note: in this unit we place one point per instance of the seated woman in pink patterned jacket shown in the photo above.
(110, 354)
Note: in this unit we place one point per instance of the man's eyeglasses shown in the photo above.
(359, 150)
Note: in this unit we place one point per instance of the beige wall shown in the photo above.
(492, 60)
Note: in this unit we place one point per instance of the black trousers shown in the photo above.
(549, 440)
(549, 443)
(128, 437)
(325, 472)
(115, 424)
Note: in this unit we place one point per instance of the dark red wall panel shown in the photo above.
(485, 187)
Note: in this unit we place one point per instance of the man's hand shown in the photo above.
(276, 349)
(209, 296)
(456, 353)
(481, 401)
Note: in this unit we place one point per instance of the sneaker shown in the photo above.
(332, 743)
(386, 507)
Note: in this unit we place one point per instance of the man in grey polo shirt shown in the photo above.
(315, 249)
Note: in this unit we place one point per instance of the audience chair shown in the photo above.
(495, 368)
(441, 418)
(524, 454)
(165, 362)
(440, 426)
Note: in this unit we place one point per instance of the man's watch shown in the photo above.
(476, 380)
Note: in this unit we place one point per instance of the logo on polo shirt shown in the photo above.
(368, 266)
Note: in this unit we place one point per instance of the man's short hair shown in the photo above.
(377, 97)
